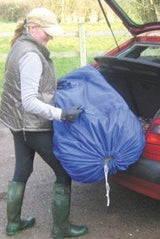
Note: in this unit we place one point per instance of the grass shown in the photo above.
(4, 45)
(65, 65)
(7, 26)
(66, 44)
(2, 63)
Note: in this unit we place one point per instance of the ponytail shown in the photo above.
(18, 31)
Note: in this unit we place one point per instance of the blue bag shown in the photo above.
(107, 132)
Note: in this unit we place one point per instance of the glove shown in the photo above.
(71, 114)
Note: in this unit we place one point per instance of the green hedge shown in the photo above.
(13, 12)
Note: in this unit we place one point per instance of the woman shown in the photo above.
(27, 108)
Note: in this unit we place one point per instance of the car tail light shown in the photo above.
(152, 148)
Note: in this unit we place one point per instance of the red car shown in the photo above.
(133, 69)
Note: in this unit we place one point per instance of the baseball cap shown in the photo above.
(45, 19)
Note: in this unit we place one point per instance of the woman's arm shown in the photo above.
(30, 67)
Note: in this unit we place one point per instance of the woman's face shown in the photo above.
(39, 34)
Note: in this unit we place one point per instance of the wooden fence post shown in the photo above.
(82, 43)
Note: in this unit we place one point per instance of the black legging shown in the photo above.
(26, 145)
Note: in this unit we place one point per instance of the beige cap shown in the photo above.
(45, 19)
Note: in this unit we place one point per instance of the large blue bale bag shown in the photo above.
(107, 132)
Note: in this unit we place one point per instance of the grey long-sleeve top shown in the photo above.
(30, 67)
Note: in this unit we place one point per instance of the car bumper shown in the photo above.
(142, 177)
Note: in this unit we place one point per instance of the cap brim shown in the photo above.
(54, 30)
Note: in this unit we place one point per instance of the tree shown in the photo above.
(157, 8)
(146, 10)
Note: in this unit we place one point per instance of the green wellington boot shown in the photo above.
(14, 204)
(61, 210)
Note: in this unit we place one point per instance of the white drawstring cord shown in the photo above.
(107, 184)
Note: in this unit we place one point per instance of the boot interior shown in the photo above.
(136, 78)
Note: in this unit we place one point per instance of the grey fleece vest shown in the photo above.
(12, 113)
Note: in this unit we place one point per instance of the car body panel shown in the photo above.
(143, 176)
(138, 185)
(134, 27)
